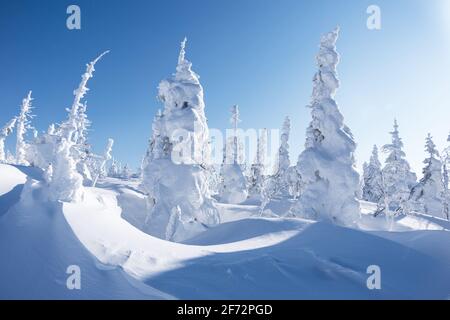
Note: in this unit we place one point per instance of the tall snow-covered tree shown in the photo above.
(428, 193)
(4, 133)
(398, 179)
(257, 170)
(23, 124)
(233, 188)
(372, 179)
(174, 174)
(66, 183)
(327, 163)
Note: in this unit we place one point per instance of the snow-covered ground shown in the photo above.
(245, 257)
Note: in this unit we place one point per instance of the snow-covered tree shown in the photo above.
(126, 172)
(294, 182)
(106, 157)
(398, 180)
(23, 124)
(4, 133)
(428, 193)
(372, 190)
(66, 183)
(257, 170)
(445, 178)
(327, 164)
(73, 129)
(75, 125)
(285, 178)
(114, 169)
(174, 169)
(81, 150)
(10, 157)
(233, 188)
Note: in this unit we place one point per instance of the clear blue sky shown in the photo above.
(255, 53)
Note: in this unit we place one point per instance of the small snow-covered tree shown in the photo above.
(257, 170)
(65, 184)
(10, 157)
(23, 124)
(4, 133)
(327, 164)
(445, 179)
(126, 172)
(174, 171)
(106, 157)
(428, 193)
(114, 169)
(398, 180)
(281, 184)
(233, 188)
(294, 182)
(372, 179)
(283, 161)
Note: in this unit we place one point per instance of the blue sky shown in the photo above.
(255, 53)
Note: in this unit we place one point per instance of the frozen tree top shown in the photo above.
(329, 39)
(184, 67)
(430, 147)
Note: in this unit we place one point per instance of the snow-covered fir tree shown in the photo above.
(23, 124)
(398, 179)
(174, 169)
(372, 190)
(4, 133)
(257, 169)
(327, 164)
(233, 186)
(428, 193)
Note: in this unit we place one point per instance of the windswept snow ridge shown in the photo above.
(249, 257)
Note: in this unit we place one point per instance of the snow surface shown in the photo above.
(245, 257)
